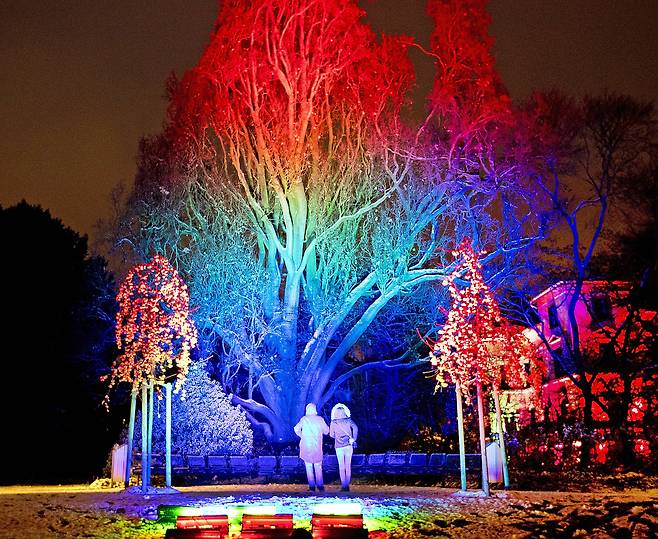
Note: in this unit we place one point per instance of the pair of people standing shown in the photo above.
(310, 430)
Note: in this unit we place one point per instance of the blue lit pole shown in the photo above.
(144, 437)
(131, 434)
(483, 446)
(150, 429)
(460, 432)
(168, 435)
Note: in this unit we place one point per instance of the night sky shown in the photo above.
(82, 80)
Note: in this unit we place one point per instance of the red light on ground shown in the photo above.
(199, 527)
(203, 522)
(196, 533)
(266, 526)
(337, 521)
(338, 527)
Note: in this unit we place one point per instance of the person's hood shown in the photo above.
(340, 411)
(311, 409)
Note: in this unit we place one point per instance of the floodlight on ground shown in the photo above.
(255, 526)
(200, 527)
(338, 521)
(214, 522)
(340, 508)
(169, 513)
(190, 533)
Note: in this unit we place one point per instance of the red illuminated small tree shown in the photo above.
(153, 326)
(477, 346)
(155, 335)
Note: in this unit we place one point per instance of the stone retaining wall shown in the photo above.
(291, 466)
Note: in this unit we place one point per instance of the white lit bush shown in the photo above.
(203, 420)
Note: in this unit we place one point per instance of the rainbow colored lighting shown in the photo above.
(169, 513)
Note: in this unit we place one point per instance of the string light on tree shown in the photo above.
(477, 347)
(155, 335)
(154, 331)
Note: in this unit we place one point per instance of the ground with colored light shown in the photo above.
(389, 512)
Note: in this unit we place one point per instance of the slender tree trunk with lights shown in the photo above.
(150, 428)
(483, 443)
(460, 433)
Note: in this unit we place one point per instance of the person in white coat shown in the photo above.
(310, 430)
(344, 432)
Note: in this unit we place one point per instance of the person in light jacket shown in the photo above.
(344, 431)
(310, 430)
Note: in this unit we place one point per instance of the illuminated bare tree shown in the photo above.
(296, 202)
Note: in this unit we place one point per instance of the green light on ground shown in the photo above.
(341, 508)
(169, 513)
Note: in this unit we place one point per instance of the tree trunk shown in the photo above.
(131, 434)
(588, 422)
(168, 435)
(145, 471)
(619, 405)
(483, 445)
(460, 433)
(501, 438)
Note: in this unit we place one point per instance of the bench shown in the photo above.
(473, 461)
(178, 465)
(239, 465)
(452, 462)
(330, 462)
(417, 462)
(290, 464)
(376, 462)
(394, 462)
(437, 462)
(269, 466)
(266, 465)
(218, 464)
(196, 462)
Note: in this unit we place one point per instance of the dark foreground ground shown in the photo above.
(389, 511)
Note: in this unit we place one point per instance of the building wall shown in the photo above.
(600, 306)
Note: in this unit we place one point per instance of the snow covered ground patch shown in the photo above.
(389, 511)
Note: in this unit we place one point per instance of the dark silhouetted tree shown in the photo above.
(58, 309)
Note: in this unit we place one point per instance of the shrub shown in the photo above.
(204, 422)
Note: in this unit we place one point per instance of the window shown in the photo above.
(553, 320)
(601, 309)
(558, 370)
